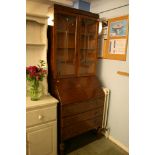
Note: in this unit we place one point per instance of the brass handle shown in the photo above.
(123, 73)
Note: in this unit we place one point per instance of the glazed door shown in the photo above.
(87, 46)
(65, 50)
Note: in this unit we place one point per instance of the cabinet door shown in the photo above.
(87, 46)
(65, 42)
(42, 141)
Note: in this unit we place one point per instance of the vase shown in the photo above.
(35, 90)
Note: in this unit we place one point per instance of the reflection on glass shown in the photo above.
(88, 44)
(66, 32)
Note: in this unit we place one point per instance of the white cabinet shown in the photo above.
(41, 126)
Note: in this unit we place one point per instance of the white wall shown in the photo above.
(102, 5)
(119, 85)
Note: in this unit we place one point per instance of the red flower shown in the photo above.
(35, 73)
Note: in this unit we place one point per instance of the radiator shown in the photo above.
(106, 108)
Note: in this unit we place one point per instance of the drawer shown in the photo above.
(99, 93)
(81, 127)
(67, 121)
(76, 108)
(41, 115)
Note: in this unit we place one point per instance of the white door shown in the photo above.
(42, 141)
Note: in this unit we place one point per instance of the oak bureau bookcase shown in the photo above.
(72, 57)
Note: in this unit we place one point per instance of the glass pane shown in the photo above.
(65, 45)
(88, 46)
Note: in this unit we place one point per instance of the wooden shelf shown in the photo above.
(66, 61)
(88, 34)
(61, 31)
(86, 62)
(64, 48)
(90, 49)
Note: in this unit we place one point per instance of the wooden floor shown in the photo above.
(90, 144)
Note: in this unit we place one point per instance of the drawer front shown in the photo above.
(39, 116)
(99, 93)
(76, 108)
(67, 121)
(80, 127)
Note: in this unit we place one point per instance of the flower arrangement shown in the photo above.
(34, 74)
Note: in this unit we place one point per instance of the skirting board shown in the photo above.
(119, 144)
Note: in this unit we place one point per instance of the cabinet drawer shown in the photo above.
(67, 121)
(76, 108)
(39, 116)
(81, 127)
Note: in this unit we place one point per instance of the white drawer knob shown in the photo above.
(40, 117)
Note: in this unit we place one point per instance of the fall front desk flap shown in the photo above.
(77, 89)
